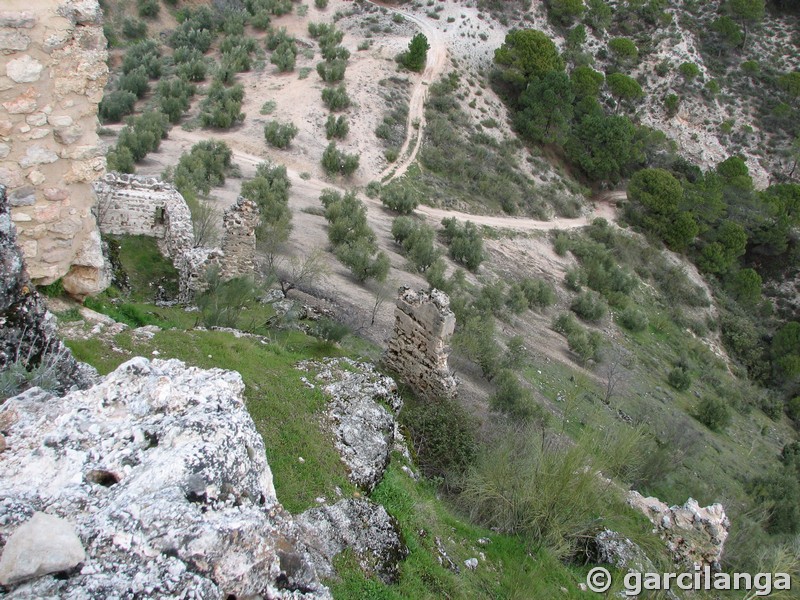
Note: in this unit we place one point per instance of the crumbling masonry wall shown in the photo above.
(136, 205)
(52, 75)
(420, 344)
(239, 238)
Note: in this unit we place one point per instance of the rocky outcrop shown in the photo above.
(419, 347)
(360, 525)
(52, 76)
(364, 428)
(695, 536)
(27, 329)
(160, 471)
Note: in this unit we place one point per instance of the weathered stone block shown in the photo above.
(36, 119)
(5, 149)
(24, 69)
(23, 19)
(14, 41)
(24, 196)
(37, 154)
(23, 104)
(11, 176)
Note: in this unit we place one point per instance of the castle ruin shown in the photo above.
(420, 344)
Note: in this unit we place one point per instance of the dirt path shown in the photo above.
(415, 127)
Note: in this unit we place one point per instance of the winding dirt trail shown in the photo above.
(415, 126)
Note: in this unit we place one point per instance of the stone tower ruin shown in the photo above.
(420, 344)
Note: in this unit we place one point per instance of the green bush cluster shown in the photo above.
(222, 107)
(269, 189)
(284, 56)
(148, 8)
(465, 243)
(336, 99)
(116, 105)
(202, 168)
(417, 240)
(351, 237)
(173, 97)
(400, 197)
(278, 134)
(140, 136)
(589, 306)
(197, 29)
(331, 71)
(336, 161)
(190, 64)
(714, 413)
(336, 127)
(415, 57)
(237, 51)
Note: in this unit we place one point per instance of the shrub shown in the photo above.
(24, 371)
(148, 8)
(331, 71)
(399, 197)
(204, 167)
(142, 134)
(336, 127)
(277, 37)
(133, 29)
(586, 345)
(416, 56)
(547, 493)
(190, 64)
(336, 99)
(321, 4)
(465, 243)
(346, 216)
(284, 56)
(671, 104)
(589, 306)
(196, 30)
(222, 107)
(680, 378)
(714, 413)
(222, 303)
(402, 227)
(270, 190)
(420, 247)
(538, 293)
(329, 330)
(633, 319)
(689, 70)
(336, 161)
(444, 436)
(116, 105)
(135, 81)
(779, 492)
(624, 49)
(511, 398)
(120, 159)
(359, 256)
(173, 97)
(143, 54)
(279, 134)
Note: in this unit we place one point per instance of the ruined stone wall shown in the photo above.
(52, 75)
(136, 205)
(239, 238)
(419, 347)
